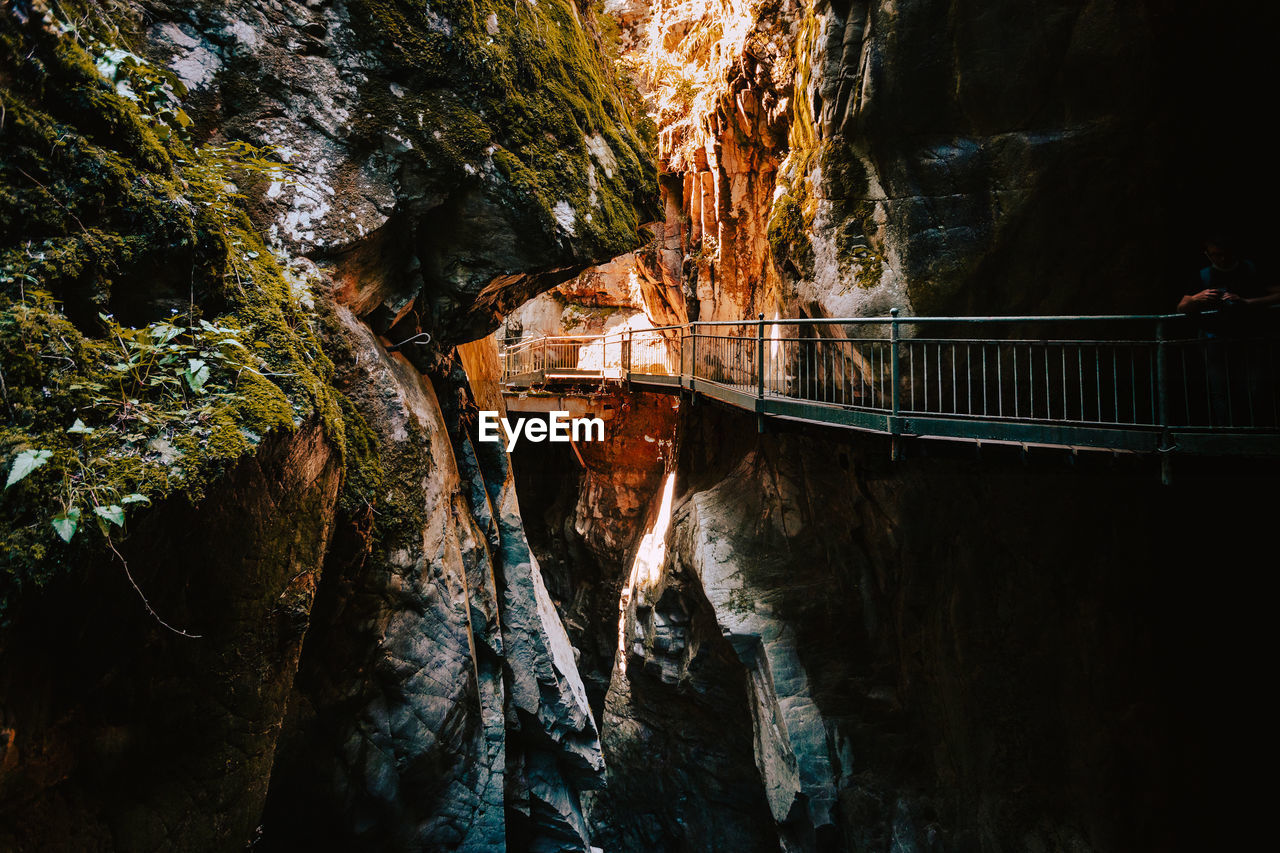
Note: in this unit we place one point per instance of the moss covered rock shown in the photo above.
(150, 339)
(493, 141)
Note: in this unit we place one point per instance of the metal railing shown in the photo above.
(933, 375)
(578, 357)
(567, 357)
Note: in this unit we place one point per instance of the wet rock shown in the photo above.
(444, 166)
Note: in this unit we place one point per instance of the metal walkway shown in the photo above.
(1141, 384)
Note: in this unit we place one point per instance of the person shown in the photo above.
(1237, 355)
(1229, 281)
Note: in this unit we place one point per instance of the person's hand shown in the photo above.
(1232, 299)
(1208, 296)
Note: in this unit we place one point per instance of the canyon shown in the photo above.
(268, 584)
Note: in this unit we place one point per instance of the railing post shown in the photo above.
(1162, 403)
(626, 358)
(760, 357)
(684, 333)
(693, 354)
(686, 351)
(895, 363)
(760, 373)
(693, 360)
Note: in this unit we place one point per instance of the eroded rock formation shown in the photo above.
(410, 171)
(945, 653)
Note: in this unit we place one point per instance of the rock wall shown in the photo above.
(438, 701)
(948, 158)
(957, 155)
(719, 80)
(356, 187)
(952, 652)
(121, 734)
(944, 654)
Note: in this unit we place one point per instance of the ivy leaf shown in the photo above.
(26, 462)
(113, 514)
(135, 498)
(196, 374)
(67, 523)
(78, 428)
(165, 332)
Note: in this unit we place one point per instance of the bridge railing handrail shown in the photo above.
(903, 318)
(882, 320)
(1128, 381)
(525, 342)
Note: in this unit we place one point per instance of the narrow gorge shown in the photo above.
(265, 265)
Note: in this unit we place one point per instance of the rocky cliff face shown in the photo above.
(945, 158)
(409, 171)
(945, 653)
(121, 735)
(438, 700)
(451, 161)
(939, 655)
(944, 175)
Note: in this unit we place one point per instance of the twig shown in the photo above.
(260, 373)
(56, 201)
(4, 390)
(143, 596)
(70, 361)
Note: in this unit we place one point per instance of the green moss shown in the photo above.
(842, 172)
(363, 484)
(792, 215)
(789, 235)
(529, 95)
(845, 186)
(105, 208)
(852, 214)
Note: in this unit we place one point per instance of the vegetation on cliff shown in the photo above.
(149, 338)
(821, 172)
(520, 87)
